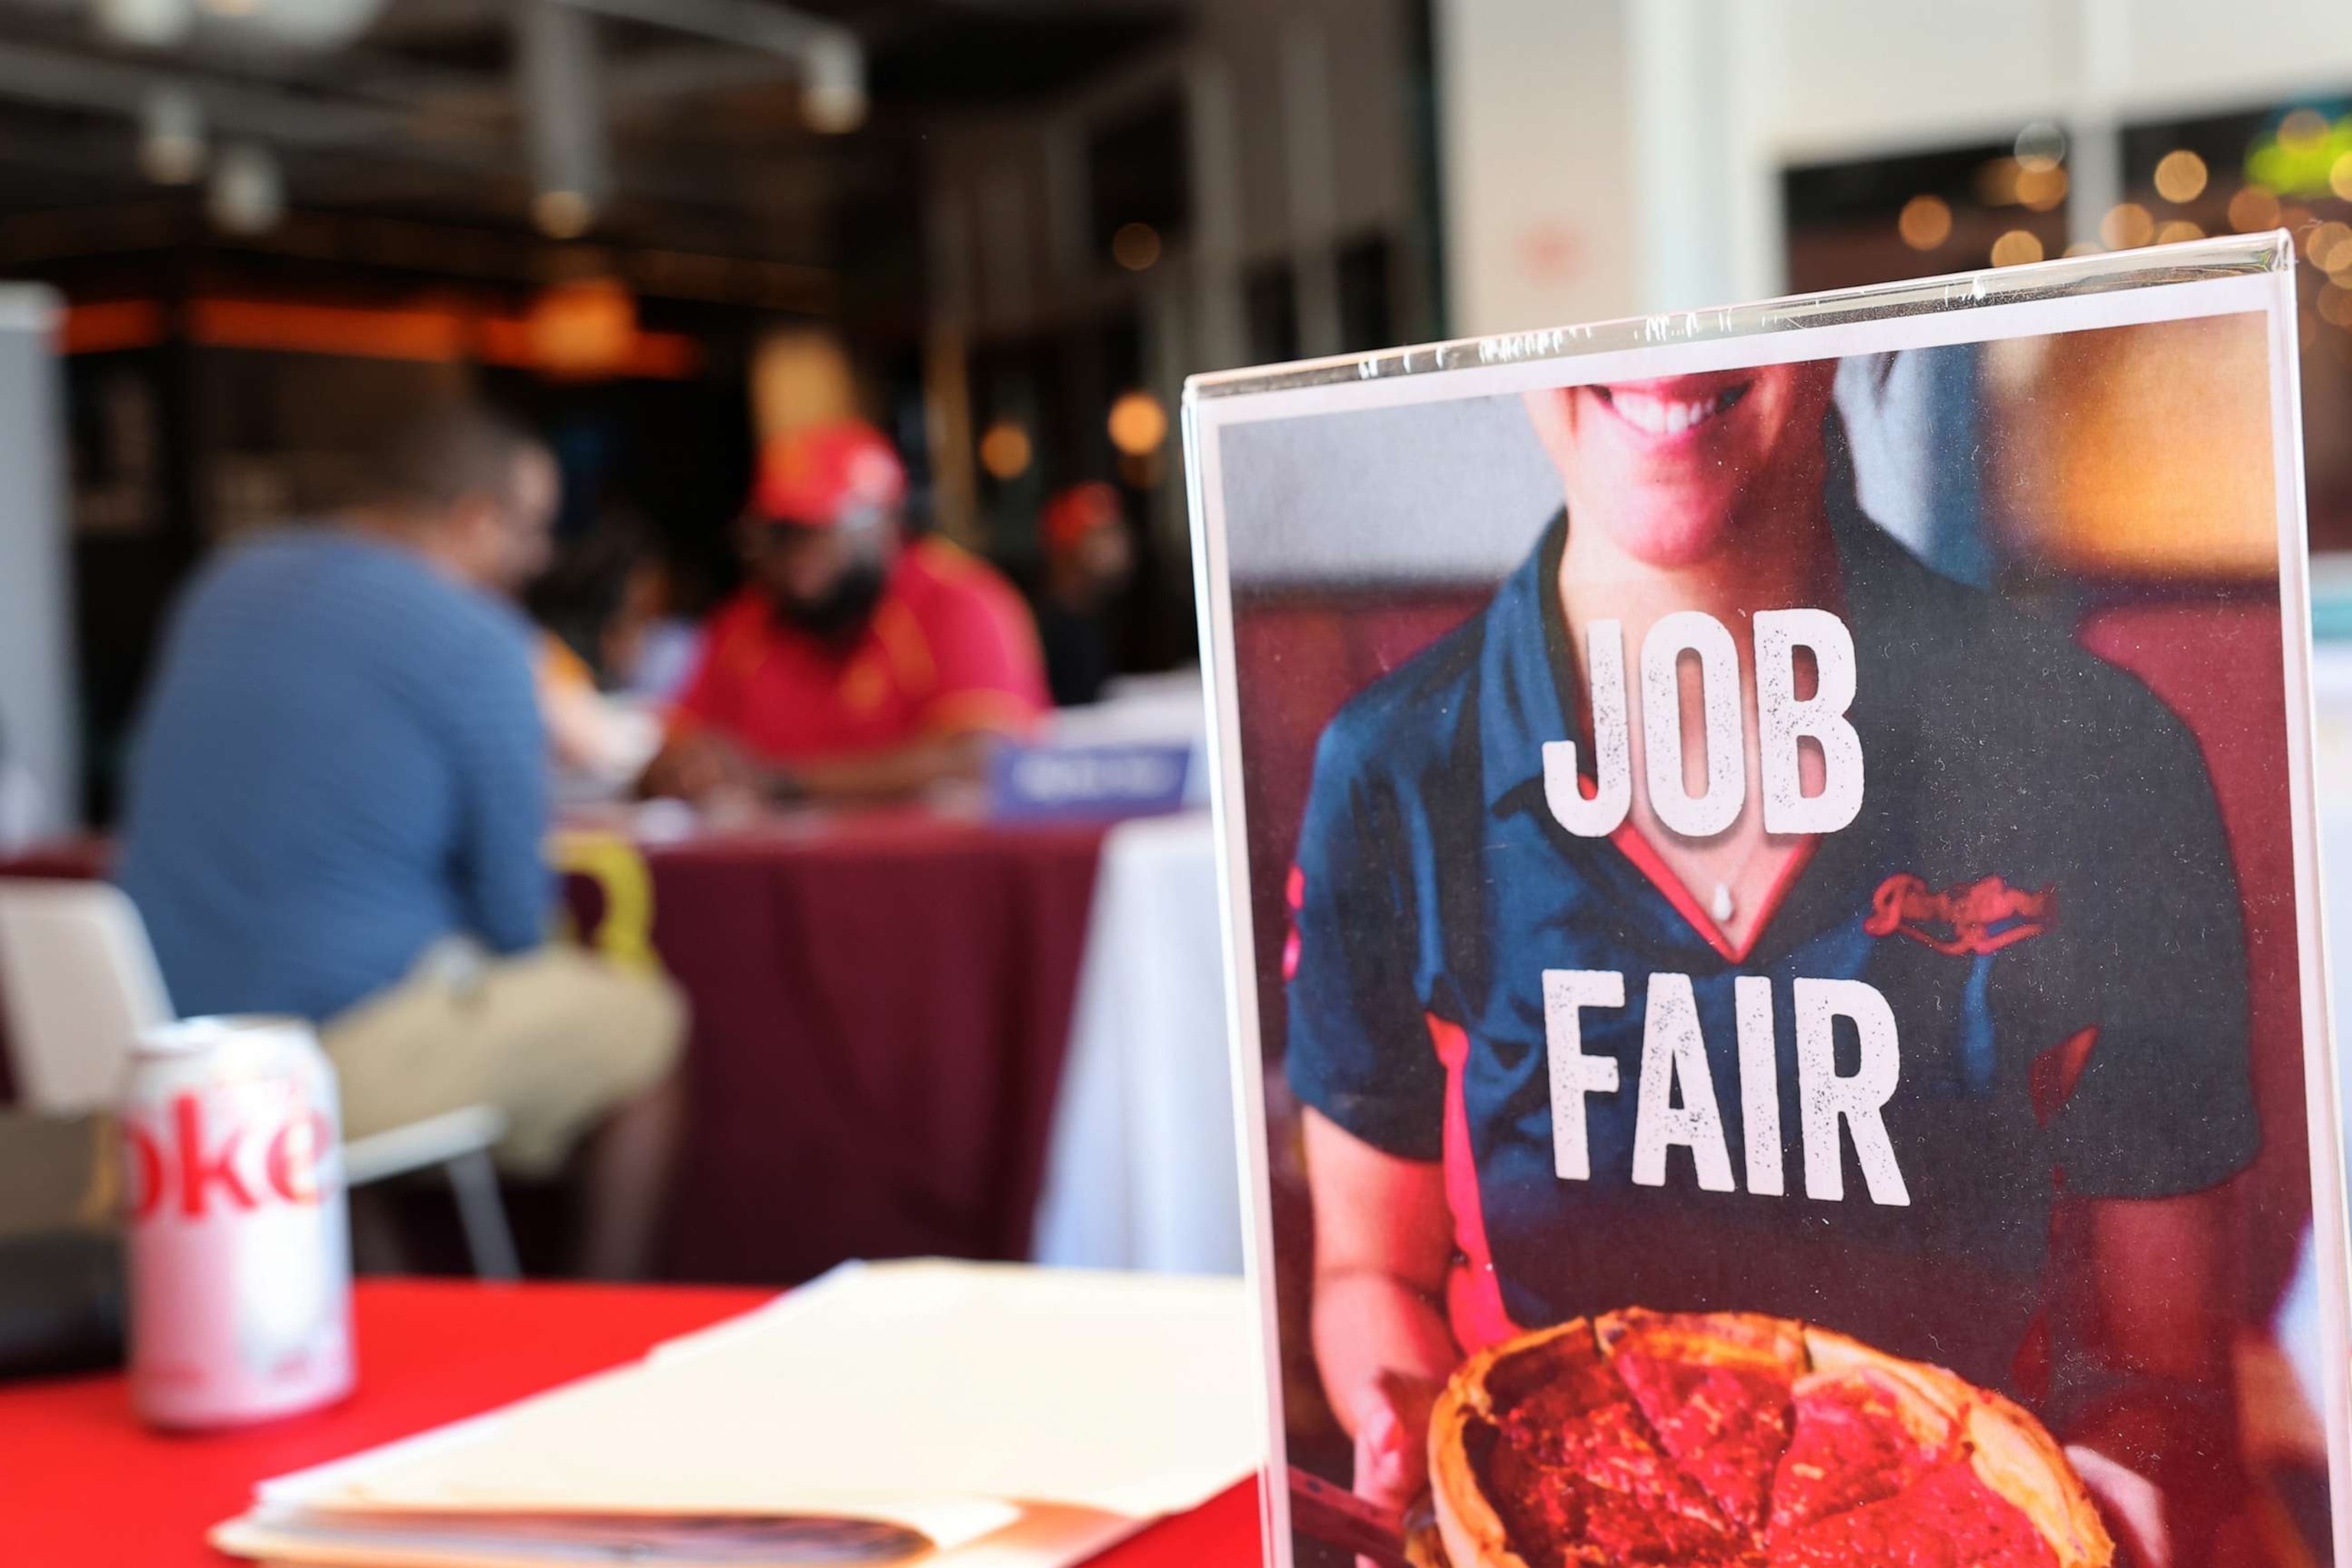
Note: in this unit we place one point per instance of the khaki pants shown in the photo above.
(556, 1038)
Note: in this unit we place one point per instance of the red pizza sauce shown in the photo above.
(1950, 1519)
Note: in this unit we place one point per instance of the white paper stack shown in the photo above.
(988, 1416)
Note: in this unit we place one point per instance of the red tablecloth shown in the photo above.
(881, 1008)
(81, 1484)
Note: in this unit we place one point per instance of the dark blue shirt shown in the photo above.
(1434, 889)
(340, 762)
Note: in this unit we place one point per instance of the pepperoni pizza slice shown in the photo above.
(1573, 1470)
(1717, 1389)
(1865, 1430)
(1948, 1518)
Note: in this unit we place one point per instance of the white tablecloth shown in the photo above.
(2298, 1322)
(1140, 1173)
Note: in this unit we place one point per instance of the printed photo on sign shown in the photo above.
(1768, 875)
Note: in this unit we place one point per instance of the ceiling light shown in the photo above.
(562, 214)
(247, 193)
(583, 329)
(833, 85)
(148, 24)
(171, 136)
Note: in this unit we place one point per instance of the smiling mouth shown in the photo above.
(1657, 415)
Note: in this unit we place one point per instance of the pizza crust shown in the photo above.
(1467, 1524)
(2013, 1456)
(2010, 1453)
(1747, 1340)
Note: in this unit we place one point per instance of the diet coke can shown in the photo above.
(239, 1242)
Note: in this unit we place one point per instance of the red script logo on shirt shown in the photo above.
(1980, 917)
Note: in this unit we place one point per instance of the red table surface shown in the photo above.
(82, 1484)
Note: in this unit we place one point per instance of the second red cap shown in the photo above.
(824, 475)
(1077, 511)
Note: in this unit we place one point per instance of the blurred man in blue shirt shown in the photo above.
(337, 801)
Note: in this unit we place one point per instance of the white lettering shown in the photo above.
(1613, 769)
(1781, 717)
(1759, 1084)
(1673, 1050)
(1693, 817)
(1575, 1074)
(1826, 1098)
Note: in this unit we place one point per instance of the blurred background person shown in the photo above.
(1088, 560)
(600, 607)
(611, 595)
(856, 662)
(337, 802)
(599, 743)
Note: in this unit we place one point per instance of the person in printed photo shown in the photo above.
(2034, 879)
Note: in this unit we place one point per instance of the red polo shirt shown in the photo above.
(949, 649)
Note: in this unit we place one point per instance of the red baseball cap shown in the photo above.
(1077, 511)
(826, 474)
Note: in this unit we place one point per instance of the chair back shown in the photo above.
(80, 982)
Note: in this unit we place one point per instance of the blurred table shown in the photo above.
(86, 1485)
(1141, 1172)
(881, 1009)
(882, 1004)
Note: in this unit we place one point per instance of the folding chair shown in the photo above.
(80, 982)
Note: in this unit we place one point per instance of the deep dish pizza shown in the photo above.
(1732, 1440)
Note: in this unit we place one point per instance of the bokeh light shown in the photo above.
(2040, 146)
(1135, 246)
(584, 328)
(1139, 423)
(562, 214)
(2253, 208)
(1004, 450)
(2041, 189)
(2127, 224)
(2303, 130)
(2329, 245)
(1996, 182)
(2016, 247)
(1926, 223)
(2181, 175)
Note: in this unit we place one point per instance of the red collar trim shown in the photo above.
(1646, 860)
